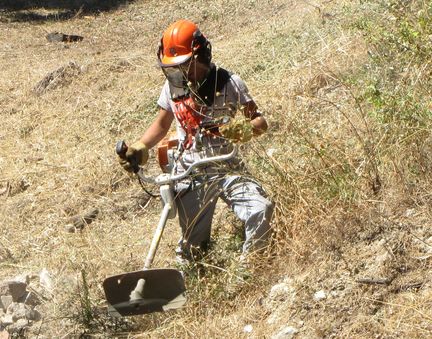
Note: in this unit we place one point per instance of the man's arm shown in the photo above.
(158, 129)
(137, 154)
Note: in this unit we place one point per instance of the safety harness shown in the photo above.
(190, 108)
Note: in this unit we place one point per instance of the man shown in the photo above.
(203, 100)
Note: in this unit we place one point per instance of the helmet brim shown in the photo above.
(167, 61)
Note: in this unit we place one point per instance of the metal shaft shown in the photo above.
(157, 236)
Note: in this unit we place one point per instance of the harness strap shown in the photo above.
(190, 110)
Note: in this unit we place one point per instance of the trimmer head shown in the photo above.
(160, 289)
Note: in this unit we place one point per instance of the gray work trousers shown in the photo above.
(196, 203)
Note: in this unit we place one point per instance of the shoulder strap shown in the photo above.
(215, 82)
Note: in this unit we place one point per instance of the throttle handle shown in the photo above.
(121, 149)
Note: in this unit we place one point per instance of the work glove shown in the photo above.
(237, 130)
(136, 155)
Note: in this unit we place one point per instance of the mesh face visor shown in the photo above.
(177, 75)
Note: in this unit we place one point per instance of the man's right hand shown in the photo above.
(136, 155)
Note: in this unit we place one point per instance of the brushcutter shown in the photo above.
(153, 290)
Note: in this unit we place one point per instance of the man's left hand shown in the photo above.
(237, 130)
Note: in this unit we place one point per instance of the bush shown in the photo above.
(396, 84)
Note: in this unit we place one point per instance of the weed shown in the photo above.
(87, 316)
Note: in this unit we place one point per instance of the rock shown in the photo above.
(58, 77)
(30, 299)
(46, 280)
(80, 221)
(60, 37)
(248, 328)
(23, 278)
(4, 334)
(6, 320)
(273, 318)
(320, 295)
(334, 294)
(32, 314)
(280, 292)
(18, 327)
(286, 333)
(13, 288)
(17, 310)
(270, 151)
(70, 228)
(17, 289)
(410, 212)
(283, 292)
(4, 288)
(6, 300)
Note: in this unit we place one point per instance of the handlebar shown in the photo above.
(167, 178)
(121, 149)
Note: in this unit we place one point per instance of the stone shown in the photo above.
(248, 328)
(24, 278)
(6, 300)
(33, 315)
(283, 292)
(70, 228)
(18, 327)
(320, 295)
(270, 151)
(30, 299)
(18, 311)
(46, 280)
(6, 320)
(287, 332)
(280, 292)
(59, 77)
(60, 37)
(273, 318)
(17, 289)
(4, 288)
(79, 221)
(4, 334)
(13, 288)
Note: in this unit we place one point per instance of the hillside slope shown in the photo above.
(346, 89)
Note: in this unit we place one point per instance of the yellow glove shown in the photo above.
(136, 155)
(237, 130)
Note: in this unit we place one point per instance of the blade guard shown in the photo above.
(163, 289)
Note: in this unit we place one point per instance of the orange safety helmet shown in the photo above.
(180, 41)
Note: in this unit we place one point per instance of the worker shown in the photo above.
(212, 109)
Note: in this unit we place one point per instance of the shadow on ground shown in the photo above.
(51, 10)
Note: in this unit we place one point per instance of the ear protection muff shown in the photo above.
(202, 47)
(160, 49)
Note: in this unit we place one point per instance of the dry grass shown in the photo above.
(349, 203)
